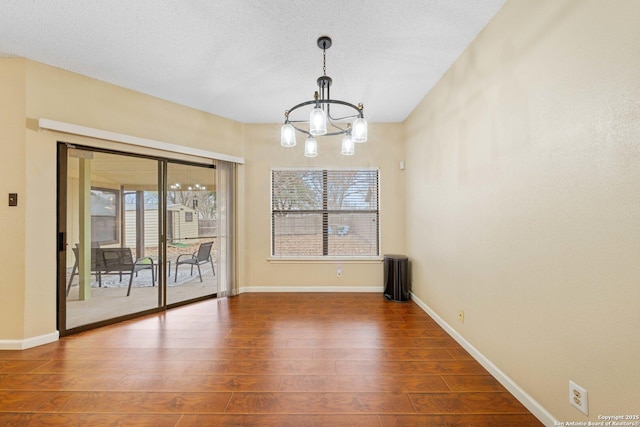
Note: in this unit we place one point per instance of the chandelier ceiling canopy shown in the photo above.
(347, 119)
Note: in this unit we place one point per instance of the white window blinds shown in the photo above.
(324, 213)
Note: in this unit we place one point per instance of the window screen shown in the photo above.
(324, 213)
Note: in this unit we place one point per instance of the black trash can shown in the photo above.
(396, 278)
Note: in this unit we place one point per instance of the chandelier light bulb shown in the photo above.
(347, 146)
(287, 135)
(311, 147)
(359, 132)
(317, 121)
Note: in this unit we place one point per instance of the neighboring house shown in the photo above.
(182, 224)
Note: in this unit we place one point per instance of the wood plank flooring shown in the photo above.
(259, 360)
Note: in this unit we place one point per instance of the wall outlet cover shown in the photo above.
(578, 397)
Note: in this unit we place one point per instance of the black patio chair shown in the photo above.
(120, 261)
(201, 256)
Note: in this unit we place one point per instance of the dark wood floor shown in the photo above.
(259, 360)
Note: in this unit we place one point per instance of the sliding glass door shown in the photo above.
(138, 234)
(192, 232)
(114, 254)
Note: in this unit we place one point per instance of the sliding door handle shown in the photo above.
(61, 242)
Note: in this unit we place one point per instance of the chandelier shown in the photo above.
(320, 116)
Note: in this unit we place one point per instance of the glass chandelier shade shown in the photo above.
(347, 146)
(328, 117)
(317, 122)
(288, 135)
(359, 132)
(311, 147)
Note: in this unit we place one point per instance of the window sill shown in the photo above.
(325, 260)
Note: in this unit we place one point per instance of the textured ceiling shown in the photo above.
(250, 60)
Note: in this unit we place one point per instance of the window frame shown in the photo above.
(325, 212)
(115, 218)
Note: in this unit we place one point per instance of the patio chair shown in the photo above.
(120, 261)
(201, 256)
(96, 265)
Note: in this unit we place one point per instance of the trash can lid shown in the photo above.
(395, 256)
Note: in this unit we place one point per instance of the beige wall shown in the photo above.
(384, 149)
(67, 97)
(12, 180)
(523, 200)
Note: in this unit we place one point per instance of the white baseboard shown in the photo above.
(334, 289)
(529, 402)
(29, 342)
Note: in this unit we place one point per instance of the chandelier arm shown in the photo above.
(300, 130)
(331, 119)
(302, 104)
(337, 101)
(341, 132)
(326, 101)
(337, 119)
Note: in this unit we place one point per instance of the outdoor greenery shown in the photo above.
(306, 190)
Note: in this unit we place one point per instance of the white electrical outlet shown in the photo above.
(578, 397)
(339, 272)
(461, 315)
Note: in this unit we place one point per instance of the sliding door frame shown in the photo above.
(62, 236)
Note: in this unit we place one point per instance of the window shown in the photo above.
(104, 215)
(188, 217)
(324, 212)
